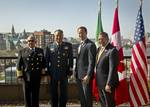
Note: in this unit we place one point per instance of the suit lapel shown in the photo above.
(102, 53)
(28, 51)
(99, 55)
(81, 46)
(55, 46)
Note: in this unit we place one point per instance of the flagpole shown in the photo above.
(141, 4)
(120, 97)
(117, 3)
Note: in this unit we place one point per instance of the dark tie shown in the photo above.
(32, 49)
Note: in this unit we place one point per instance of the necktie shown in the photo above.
(32, 49)
(80, 46)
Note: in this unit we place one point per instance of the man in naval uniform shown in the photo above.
(30, 68)
(59, 62)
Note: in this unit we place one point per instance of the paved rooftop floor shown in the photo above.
(74, 104)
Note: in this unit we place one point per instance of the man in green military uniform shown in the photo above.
(30, 67)
(59, 62)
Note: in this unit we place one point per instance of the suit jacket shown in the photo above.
(59, 60)
(30, 64)
(86, 60)
(106, 68)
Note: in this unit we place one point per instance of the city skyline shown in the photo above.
(36, 15)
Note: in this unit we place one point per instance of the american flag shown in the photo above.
(121, 93)
(138, 87)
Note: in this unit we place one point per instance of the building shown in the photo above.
(43, 38)
(9, 42)
(2, 42)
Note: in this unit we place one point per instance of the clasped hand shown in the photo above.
(86, 79)
(19, 79)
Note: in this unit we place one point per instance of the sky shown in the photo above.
(68, 15)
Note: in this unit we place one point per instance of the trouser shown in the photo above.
(107, 99)
(85, 93)
(58, 97)
(31, 93)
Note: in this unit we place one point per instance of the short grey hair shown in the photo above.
(31, 37)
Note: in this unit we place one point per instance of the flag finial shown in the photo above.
(141, 2)
(99, 3)
(117, 2)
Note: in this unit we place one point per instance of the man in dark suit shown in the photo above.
(85, 67)
(59, 61)
(107, 60)
(30, 67)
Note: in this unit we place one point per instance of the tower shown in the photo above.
(13, 30)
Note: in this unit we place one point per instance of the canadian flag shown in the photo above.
(121, 93)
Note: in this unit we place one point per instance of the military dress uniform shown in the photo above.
(59, 62)
(30, 67)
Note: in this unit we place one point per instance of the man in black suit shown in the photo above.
(107, 60)
(85, 67)
(59, 62)
(30, 67)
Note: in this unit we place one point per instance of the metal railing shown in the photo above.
(8, 69)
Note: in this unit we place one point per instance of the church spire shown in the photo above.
(13, 30)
